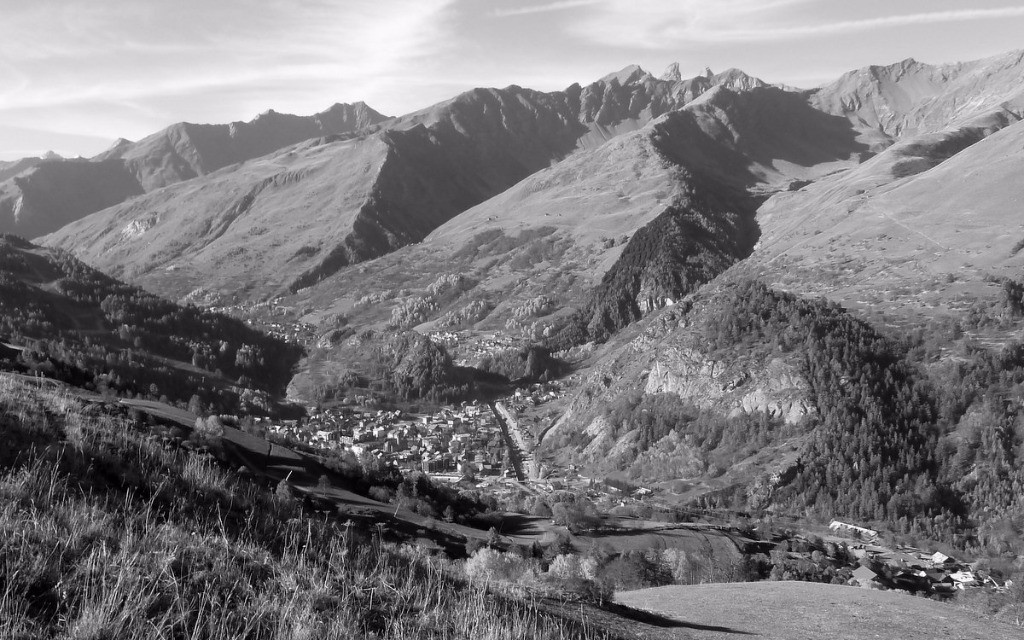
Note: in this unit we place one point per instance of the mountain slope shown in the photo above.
(38, 197)
(578, 250)
(50, 194)
(916, 231)
(426, 168)
(186, 150)
(910, 97)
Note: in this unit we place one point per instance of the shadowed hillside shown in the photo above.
(74, 323)
(52, 193)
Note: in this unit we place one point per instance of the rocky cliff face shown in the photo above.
(733, 387)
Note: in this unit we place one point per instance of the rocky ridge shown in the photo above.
(428, 167)
(40, 195)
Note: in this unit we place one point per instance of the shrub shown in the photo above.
(490, 565)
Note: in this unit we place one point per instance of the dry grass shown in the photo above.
(105, 533)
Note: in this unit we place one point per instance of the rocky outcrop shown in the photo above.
(775, 387)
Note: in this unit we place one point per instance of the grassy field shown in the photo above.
(801, 610)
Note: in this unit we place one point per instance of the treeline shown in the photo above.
(87, 328)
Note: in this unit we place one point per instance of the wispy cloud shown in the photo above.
(660, 24)
(146, 57)
(852, 26)
(544, 8)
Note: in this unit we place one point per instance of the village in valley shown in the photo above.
(491, 445)
(472, 440)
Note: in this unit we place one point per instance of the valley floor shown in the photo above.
(802, 610)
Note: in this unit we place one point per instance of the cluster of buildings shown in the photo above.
(467, 347)
(460, 441)
(909, 568)
(535, 395)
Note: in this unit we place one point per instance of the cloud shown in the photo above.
(661, 24)
(851, 26)
(134, 55)
(544, 8)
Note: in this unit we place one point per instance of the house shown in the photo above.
(940, 558)
(963, 579)
(837, 526)
(904, 560)
(865, 577)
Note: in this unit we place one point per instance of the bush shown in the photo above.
(490, 565)
(571, 566)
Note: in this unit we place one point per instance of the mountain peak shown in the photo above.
(671, 73)
(346, 106)
(735, 79)
(627, 75)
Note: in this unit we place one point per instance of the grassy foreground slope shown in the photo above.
(798, 610)
(106, 532)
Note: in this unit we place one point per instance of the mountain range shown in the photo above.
(316, 195)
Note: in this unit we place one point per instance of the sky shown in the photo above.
(75, 75)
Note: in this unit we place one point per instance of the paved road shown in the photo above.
(513, 449)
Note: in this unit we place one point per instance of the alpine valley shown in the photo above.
(729, 311)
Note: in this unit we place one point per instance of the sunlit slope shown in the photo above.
(892, 231)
